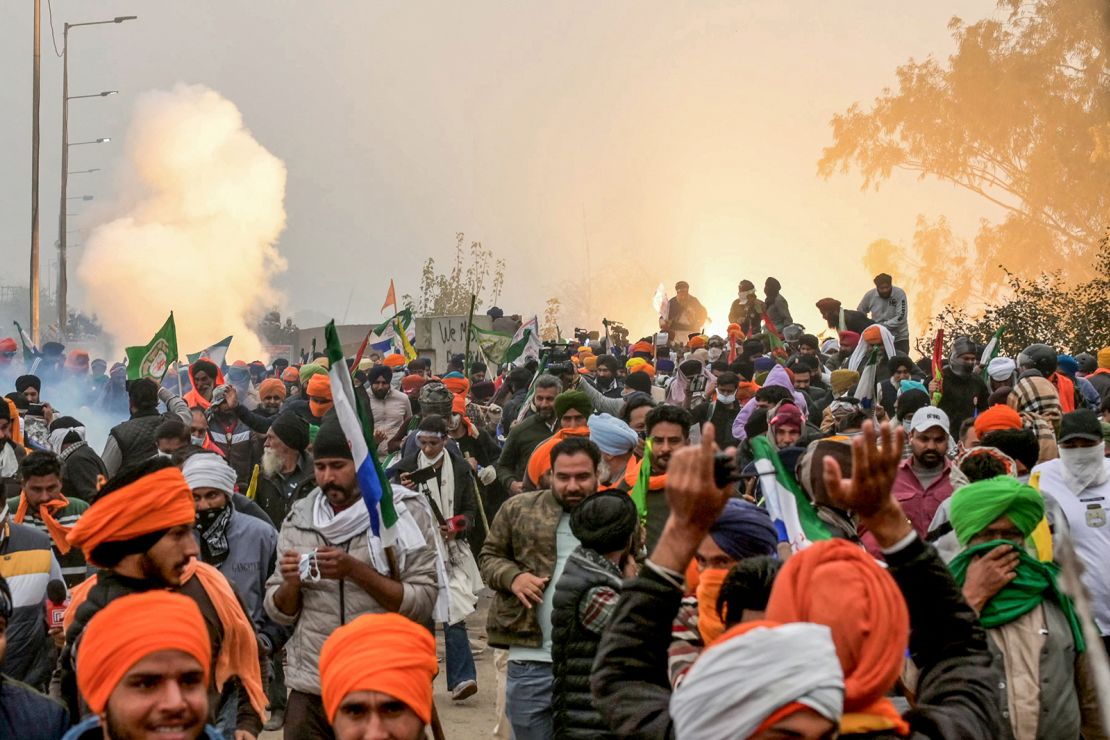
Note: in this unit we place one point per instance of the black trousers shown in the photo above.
(305, 718)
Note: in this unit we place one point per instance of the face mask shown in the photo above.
(962, 368)
(319, 410)
(747, 295)
(453, 422)
(1084, 466)
(197, 440)
(208, 517)
(726, 399)
(714, 353)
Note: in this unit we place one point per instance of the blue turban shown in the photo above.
(744, 530)
(912, 385)
(1068, 365)
(763, 364)
(611, 435)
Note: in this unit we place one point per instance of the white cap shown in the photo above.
(928, 417)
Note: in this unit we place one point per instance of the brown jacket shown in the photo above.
(521, 539)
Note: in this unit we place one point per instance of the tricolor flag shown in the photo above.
(990, 352)
(526, 342)
(795, 519)
(868, 381)
(358, 426)
(216, 353)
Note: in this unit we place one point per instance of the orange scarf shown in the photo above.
(57, 530)
(239, 649)
(632, 472)
(711, 623)
(540, 461)
(1065, 388)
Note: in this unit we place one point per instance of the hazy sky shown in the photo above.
(678, 139)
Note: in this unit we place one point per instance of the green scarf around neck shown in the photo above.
(1034, 582)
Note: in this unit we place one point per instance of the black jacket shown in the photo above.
(135, 437)
(961, 397)
(83, 472)
(466, 503)
(955, 691)
(722, 417)
(573, 647)
(29, 715)
(276, 495)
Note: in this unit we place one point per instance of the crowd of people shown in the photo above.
(211, 568)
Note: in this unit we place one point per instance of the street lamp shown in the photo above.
(104, 94)
(103, 140)
(80, 197)
(62, 279)
(83, 172)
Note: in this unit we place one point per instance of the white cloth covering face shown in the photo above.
(736, 684)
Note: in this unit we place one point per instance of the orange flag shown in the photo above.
(390, 298)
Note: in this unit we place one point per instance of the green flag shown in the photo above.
(494, 344)
(153, 359)
(402, 318)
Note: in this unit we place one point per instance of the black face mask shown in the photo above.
(208, 517)
(962, 368)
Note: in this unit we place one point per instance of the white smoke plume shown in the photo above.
(194, 227)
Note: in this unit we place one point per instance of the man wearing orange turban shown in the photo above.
(143, 665)
(140, 533)
(997, 418)
(367, 666)
(318, 392)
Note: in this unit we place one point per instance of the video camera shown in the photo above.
(557, 352)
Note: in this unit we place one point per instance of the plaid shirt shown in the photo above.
(595, 611)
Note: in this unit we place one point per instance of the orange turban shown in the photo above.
(154, 502)
(270, 386)
(78, 359)
(872, 335)
(734, 330)
(379, 652)
(394, 361)
(647, 368)
(696, 342)
(997, 417)
(319, 386)
(642, 347)
(129, 629)
(458, 386)
(291, 375)
(589, 362)
(838, 584)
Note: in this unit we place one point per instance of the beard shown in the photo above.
(194, 726)
(271, 463)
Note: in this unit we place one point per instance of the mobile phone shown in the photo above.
(456, 523)
(423, 475)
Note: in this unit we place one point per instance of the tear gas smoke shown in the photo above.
(193, 228)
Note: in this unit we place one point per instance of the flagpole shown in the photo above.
(469, 323)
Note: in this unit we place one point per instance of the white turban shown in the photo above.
(611, 435)
(208, 470)
(1001, 369)
(57, 436)
(737, 684)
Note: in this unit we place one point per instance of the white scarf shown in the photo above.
(9, 465)
(442, 487)
(1083, 467)
(340, 527)
(57, 437)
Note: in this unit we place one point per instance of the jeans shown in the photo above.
(460, 661)
(528, 695)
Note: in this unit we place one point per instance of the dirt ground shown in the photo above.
(473, 717)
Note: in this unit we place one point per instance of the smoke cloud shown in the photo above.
(193, 228)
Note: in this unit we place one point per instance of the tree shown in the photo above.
(448, 294)
(1048, 308)
(549, 330)
(1018, 116)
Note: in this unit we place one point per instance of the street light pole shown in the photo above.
(33, 287)
(63, 282)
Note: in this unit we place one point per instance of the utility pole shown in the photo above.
(35, 84)
(63, 283)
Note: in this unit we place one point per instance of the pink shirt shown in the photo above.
(919, 503)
